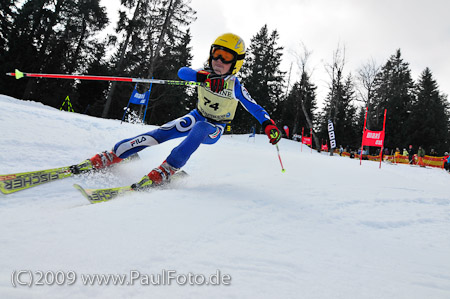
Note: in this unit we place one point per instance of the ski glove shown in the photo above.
(271, 131)
(214, 81)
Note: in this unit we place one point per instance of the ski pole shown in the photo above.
(279, 157)
(18, 74)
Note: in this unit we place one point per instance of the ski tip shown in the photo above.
(18, 74)
(81, 189)
(83, 192)
(78, 187)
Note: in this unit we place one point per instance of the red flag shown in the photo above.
(306, 140)
(373, 138)
(286, 129)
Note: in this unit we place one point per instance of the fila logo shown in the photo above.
(137, 141)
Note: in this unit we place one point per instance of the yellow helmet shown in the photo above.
(233, 44)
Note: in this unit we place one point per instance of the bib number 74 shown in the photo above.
(215, 106)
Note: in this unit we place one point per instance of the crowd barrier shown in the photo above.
(430, 161)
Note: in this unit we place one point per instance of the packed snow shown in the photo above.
(326, 228)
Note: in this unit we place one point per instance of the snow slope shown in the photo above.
(327, 228)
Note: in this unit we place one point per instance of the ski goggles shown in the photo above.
(225, 55)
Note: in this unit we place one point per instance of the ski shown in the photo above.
(106, 194)
(101, 195)
(14, 182)
(10, 183)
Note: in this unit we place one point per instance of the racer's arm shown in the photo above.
(187, 74)
(213, 81)
(258, 112)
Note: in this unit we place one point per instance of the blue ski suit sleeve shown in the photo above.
(187, 74)
(241, 94)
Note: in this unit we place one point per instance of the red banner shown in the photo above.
(286, 129)
(306, 140)
(325, 147)
(373, 138)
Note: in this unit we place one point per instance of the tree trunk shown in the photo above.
(170, 10)
(308, 120)
(119, 64)
(31, 84)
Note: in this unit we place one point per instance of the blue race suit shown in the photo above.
(197, 128)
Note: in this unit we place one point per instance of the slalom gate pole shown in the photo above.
(279, 157)
(18, 74)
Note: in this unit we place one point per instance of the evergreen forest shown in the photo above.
(152, 40)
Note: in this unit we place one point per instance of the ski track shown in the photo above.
(327, 228)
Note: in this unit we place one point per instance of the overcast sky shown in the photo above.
(368, 29)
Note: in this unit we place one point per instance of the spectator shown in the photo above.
(396, 155)
(433, 152)
(421, 155)
(447, 161)
(385, 153)
(405, 152)
(411, 154)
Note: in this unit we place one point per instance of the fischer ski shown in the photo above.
(10, 183)
(106, 194)
(14, 182)
(101, 195)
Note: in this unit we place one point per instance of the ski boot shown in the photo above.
(97, 162)
(156, 177)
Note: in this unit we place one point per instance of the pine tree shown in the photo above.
(301, 99)
(52, 37)
(25, 41)
(72, 47)
(394, 91)
(90, 95)
(155, 25)
(170, 102)
(7, 14)
(262, 77)
(339, 104)
(339, 107)
(428, 123)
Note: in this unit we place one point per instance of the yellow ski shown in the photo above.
(106, 194)
(101, 195)
(10, 183)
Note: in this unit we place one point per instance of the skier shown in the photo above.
(421, 155)
(216, 107)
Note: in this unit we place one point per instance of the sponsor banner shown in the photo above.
(331, 134)
(373, 138)
(306, 140)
